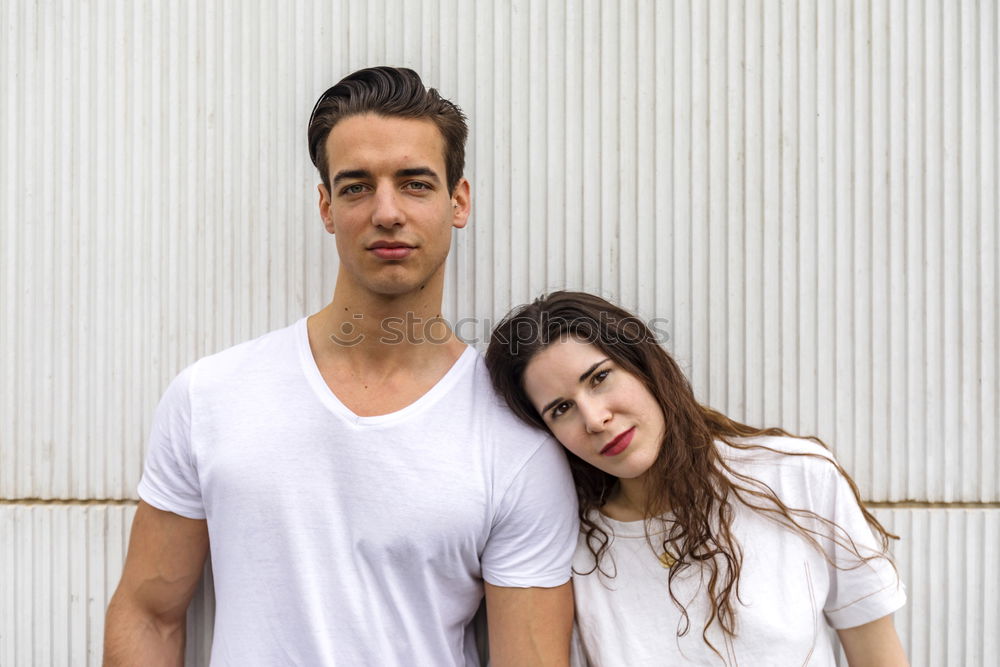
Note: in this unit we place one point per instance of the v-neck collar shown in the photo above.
(337, 407)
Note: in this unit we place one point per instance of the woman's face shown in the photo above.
(596, 409)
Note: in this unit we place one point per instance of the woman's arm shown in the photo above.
(874, 644)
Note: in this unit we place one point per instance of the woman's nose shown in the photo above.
(595, 416)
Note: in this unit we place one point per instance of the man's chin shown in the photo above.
(399, 281)
(397, 287)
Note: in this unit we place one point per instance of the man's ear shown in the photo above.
(324, 208)
(461, 203)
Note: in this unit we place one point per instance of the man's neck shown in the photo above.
(376, 336)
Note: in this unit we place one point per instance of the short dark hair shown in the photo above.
(394, 92)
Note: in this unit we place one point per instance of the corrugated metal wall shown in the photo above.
(803, 192)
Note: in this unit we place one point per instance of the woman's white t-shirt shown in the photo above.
(791, 596)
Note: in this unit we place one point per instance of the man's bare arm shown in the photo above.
(146, 617)
(529, 626)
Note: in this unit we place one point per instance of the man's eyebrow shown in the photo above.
(350, 173)
(418, 171)
(586, 374)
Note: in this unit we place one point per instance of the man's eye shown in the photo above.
(354, 189)
(417, 185)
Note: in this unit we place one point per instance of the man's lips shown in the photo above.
(618, 445)
(390, 250)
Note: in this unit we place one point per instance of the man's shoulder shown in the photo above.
(512, 441)
(504, 423)
(250, 357)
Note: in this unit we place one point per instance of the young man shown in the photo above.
(361, 490)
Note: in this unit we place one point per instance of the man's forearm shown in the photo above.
(135, 637)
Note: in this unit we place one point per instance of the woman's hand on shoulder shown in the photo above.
(874, 644)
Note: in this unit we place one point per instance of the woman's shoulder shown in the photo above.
(798, 470)
(770, 449)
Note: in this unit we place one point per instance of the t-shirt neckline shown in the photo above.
(625, 529)
(334, 404)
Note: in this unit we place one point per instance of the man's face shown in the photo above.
(389, 205)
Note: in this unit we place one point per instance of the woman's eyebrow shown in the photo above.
(583, 378)
(586, 373)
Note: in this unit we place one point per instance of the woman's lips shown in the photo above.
(618, 445)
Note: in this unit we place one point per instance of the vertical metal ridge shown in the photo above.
(10, 251)
(989, 184)
(681, 118)
(807, 212)
(867, 215)
(896, 420)
(642, 136)
(698, 163)
(951, 323)
(732, 320)
(753, 207)
(870, 244)
(968, 213)
(554, 175)
(630, 198)
(572, 229)
(663, 184)
(772, 119)
(934, 315)
(519, 126)
(591, 154)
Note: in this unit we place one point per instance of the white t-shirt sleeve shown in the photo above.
(170, 477)
(535, 527)
(860, 592)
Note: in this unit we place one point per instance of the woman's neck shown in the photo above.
(629, 502)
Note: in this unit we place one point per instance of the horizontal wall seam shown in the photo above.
(903, 504)
(68, 501)
(919, 504)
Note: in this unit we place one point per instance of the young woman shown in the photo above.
(755, 539)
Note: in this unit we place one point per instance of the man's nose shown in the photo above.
(387, 212)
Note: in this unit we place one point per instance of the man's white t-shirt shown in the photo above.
(346, 540)
(790, 594)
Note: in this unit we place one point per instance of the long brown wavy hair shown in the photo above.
(689, 476)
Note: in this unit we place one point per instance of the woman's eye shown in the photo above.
(560, 409)
(601, 376)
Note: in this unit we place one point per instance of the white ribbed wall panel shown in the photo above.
(805, 191)
(59, 566)
(948, 560)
